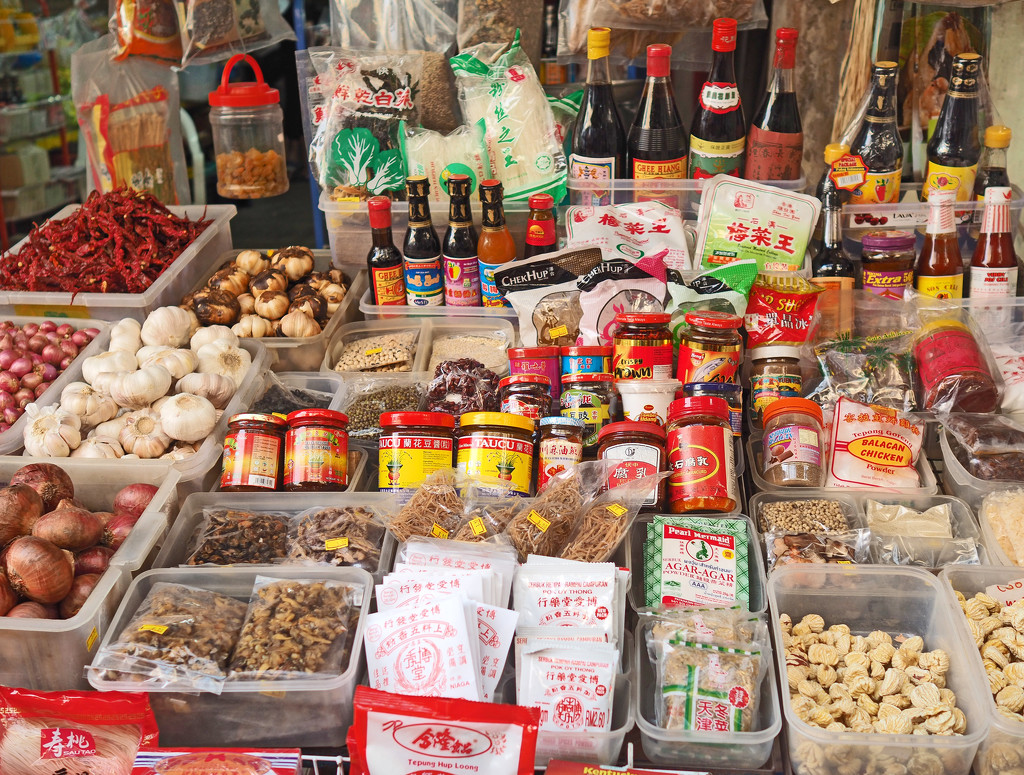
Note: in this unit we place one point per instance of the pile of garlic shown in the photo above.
(156, 393)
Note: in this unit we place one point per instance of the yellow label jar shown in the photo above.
(496, 445)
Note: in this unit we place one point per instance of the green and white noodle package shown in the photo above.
(438, 157)
(740, 219)
(503, 92)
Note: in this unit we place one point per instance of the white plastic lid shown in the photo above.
(634, 386)
(776, 351)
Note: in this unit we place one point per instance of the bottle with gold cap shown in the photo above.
(992, 166)
(955, 147)
(877, 140)
(827, 191)
(598, 150)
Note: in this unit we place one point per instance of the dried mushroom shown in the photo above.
(348, 535)
(230, 537)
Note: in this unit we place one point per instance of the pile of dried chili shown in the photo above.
(118, 242)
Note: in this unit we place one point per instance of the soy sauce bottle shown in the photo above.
(424, 281)
(877, 140)
(718, 137)
(656, 144)
(384, 261)
(461, 266)
(954, 148)
(775, 147)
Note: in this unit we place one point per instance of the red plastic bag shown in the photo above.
(396, 735)
(53, 733)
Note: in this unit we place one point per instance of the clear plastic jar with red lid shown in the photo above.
(792, 452)
(252, 453)
(701, 456)
(710, 348)
(316, 451)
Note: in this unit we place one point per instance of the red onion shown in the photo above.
(63, 330)
(11, 414)
(21, 366)
(37, 343)
(20, 507)
(91, 332)
(6, 399)
(38, 570)
(69, 348)
(4, 427)
(104, 516)
(134, 499)
(9, 382)
(117, 530)
(47, 326)
(36, 358)
(7, 357)
(6, 342)
(81, 588)
(31, 381)
(51, 354)
(69, 528)
(65, 362)
(30, 610)
(80, 338)
(41, 388)
(95, 559)
(69, 503)
(31, 329)
(8, 597)
(24, 397)
(45, 370)
(51, 483)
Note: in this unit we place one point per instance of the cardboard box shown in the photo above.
(218, 761)
(24, 166)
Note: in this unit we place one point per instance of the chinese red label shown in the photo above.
(557, 455)
(57, 743)
(389, 285)
(251, 459)
(774, 155)
(700, 459)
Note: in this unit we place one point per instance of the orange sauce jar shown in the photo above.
(701, 456)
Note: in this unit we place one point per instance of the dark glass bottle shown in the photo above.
(833, 270)
(992, 166)
(718, 137)
(954, 148)
(461, 267)
(598, 149)
(496, 246)
(827, 191)
(541, 235)
(775, 146)
(656, 143)
(877, 140)
(424, 281)
(384, 261)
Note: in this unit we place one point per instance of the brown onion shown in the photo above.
(31, 610)
(50, 481)
(117, 530)
(95, 559)
(81, 588)
(134, 499)
(8, 597)
(38, 570)
(104, 516)
(20, 507)
(69, 503)
(69, 528)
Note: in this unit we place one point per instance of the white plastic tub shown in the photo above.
(168, 288)
(313, 712)
(900, 601)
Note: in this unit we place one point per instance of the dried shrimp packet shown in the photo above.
(704, 625)
(435, 510)
(296, 628)
(574, 688)
(1003, 512)
(895, 519)
(873, 446)
(490, 351)
(872, 370)
(605, 520)
(852, 547)
(339, 535)
(383, 352)
(906, 549)
(235, 537)
(181, 637)
(812, 515)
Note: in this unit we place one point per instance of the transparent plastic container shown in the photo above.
(592, 747)
(373, 311)
(900, 601)
(178, 544)
(51, 654)
(963, 484)
(318, 381)
(248, 136)
(631, 555)
(1004, 744)
(313, 712)
(996, 554)
(848, 502)
(691, 749)
(168, 289)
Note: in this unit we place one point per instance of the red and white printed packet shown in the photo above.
(432, 651)
(218, 761)
(411, 588)
(463, 555)
(553, 637)
(873, 447)
(574, 688)
(496, 628)
(633, 231)
(394, 735)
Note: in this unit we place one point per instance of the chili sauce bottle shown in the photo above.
(384, 261)
(940, 270)
(461, 267)
(541, 236)
(775, 146)
(877, 140)
(994, 263)
(495, 246)
(424, 281)
(954, 148)
(718, 137)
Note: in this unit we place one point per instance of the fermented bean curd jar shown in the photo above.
(589, 397)
(952, 374)
(792, 454)
(528, 395)
(412, 446)
(561, 447)
(711, 348)
(316, 451)
(538, 360)
(252, 453)
(638, 448)
(497, 446)
(643, 346)
(701, 456)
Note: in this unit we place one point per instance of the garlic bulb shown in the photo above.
(332, 293)
(159, 403)
(232, 279)
(211, 334)
(252, 261)
(126, 335)
(51, 431)
(99, 447)
(272, 305)
(216, 306)
(215, 388)
(188, 417)
(314, 306)
(149, 351)
(172, 326)
(298, 324)
(110, 428)
(90, 405)
(270, 280)
(140, 388)
(296, 262)
(178, 362)
(253, 326)
(179, 452)
(102, 381)
(142, 434)
(221, 358)
(115, 360)
(246, 304)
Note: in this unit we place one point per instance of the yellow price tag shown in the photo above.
(478, 526)
(438, 532)
(727, 554)
(538, 521)
(617, 509)
(335, 543)
(91, 641)
(557, 331)
(159, 629)
(374, 351)
(275, 695)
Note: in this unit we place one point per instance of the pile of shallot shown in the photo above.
(31, 357)
(55, 549)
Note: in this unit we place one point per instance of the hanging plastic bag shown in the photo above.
(146, 28)
(128, 114)
(503, 93)
(674, 15)
(395, 25)
(212, 30)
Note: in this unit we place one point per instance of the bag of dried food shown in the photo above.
(463, 386)
(146, 28)
(339, 535)
(850, 547)
(180, 638)
(1003, 512)
(873, 446)
(296, 628)
(435, 510)
(437, 156)
(619, 285)
(501, 91)
(990, 447)
(490, 505)
(235, 537)
(675, 15)
(367, 397)
(212, 30)
(385, 352)
(394, 25)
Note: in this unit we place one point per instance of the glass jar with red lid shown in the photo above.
(701, 456)
(412, 446)
(638, 450)
(252, 453)
(316, 451)
(711, 348)
(528, 395)
(643, 346)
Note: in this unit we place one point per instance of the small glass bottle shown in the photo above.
(792, 453)
(711, 348)
(459, 257)
(412, 446)
(528, 395)
(887, 262)
(560, 447)
(541, 236)
(940, 269)
(775, 373)
(384, 262)
(954, 147)
(701, 456)
(316, 451)
(424, 279)
(495, 248)
(992, 166)
(833, 270)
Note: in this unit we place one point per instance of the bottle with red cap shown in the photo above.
(775, 146)
(541, 236)
(384, 262)
(994, 263)
(718, 137)
(656, 144)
